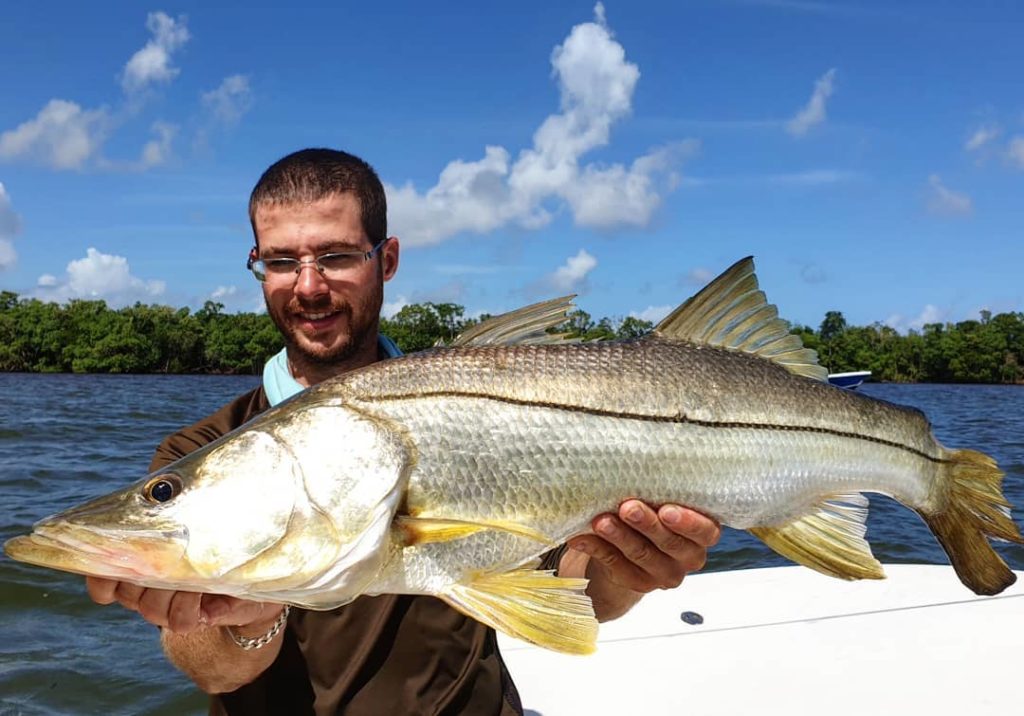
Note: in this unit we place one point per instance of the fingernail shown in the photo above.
(634, 514)
(582, 547)
(606, 528)
(671, 515)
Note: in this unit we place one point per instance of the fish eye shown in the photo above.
(162, 488)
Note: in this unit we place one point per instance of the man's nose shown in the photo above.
(310, 282)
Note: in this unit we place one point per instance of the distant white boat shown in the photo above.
(850, 380)
(786, 641)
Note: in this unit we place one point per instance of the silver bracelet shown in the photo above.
(261, 641)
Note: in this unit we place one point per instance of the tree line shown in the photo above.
(87, 336)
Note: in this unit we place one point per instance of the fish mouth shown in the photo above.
(152, 558)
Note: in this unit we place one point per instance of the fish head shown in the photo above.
(184, 526)
(295, 504)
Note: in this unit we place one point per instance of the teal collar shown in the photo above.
(278, 383)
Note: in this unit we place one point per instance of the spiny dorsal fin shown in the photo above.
(527, 325)
(829, 540)
(535, 606)
(731, 312)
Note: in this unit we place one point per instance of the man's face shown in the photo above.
(325, 322)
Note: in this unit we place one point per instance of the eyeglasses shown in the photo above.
(335, 265)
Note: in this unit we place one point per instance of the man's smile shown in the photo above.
(318, 320)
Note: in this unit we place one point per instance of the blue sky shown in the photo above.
(870, 155)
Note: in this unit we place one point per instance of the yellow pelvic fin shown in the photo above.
(419, 530)
(731, 312)
(535, 606)
(527, 325)
(974, 509)
(830, 540)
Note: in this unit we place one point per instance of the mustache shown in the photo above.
(296, 307)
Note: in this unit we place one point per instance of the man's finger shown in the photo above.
(128, 595)
(154, 604)
(634, 545)
(618, 568)
(642, 518)
(183, 614)
(222, 610)
(678, 554)
(101, 590)
(690, 524)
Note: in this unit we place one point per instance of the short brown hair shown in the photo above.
(311, 174)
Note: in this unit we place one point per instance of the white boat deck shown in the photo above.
(788, 640)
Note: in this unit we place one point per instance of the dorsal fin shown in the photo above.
(732, 312)
(527, 325)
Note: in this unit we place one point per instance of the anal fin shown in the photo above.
(535, 606)
(829, 540)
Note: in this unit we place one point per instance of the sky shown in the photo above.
(869, 155)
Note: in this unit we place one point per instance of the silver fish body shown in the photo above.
(548, 436)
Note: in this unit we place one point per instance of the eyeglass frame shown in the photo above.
(254, 259)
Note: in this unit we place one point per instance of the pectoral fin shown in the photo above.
(535, 606)
(420, 530)
(830, 540)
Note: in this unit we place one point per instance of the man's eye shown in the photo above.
(279, 265)
(333, 262)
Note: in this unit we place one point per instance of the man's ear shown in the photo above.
(389, 257)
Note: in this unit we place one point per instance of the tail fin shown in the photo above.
(975, 510)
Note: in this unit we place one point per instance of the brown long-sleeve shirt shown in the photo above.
(390, 654)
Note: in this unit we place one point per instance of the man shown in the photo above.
(323, 254)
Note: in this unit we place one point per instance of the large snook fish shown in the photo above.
(450, 471)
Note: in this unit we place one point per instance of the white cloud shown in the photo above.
(616, 196)
(654, 314)
(10, 224)
(1015, 151)
(230, 100)
(390, 308)
(929, 314)
(813, 113)
(596, 83)
(223, 292)
(158, 150)
(813, 177)
(981, 136)
(572, 275)
(62, 135)
(153, 62)
(945, 201)
(99, 276)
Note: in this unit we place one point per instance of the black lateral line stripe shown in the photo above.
(681, 419)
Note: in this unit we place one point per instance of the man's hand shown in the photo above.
(637, 551)
(190, 634)
(182, 612)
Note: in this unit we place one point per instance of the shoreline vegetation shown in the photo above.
(85, 336)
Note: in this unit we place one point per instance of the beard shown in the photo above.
(362, 326)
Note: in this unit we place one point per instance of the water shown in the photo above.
(64, 438)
